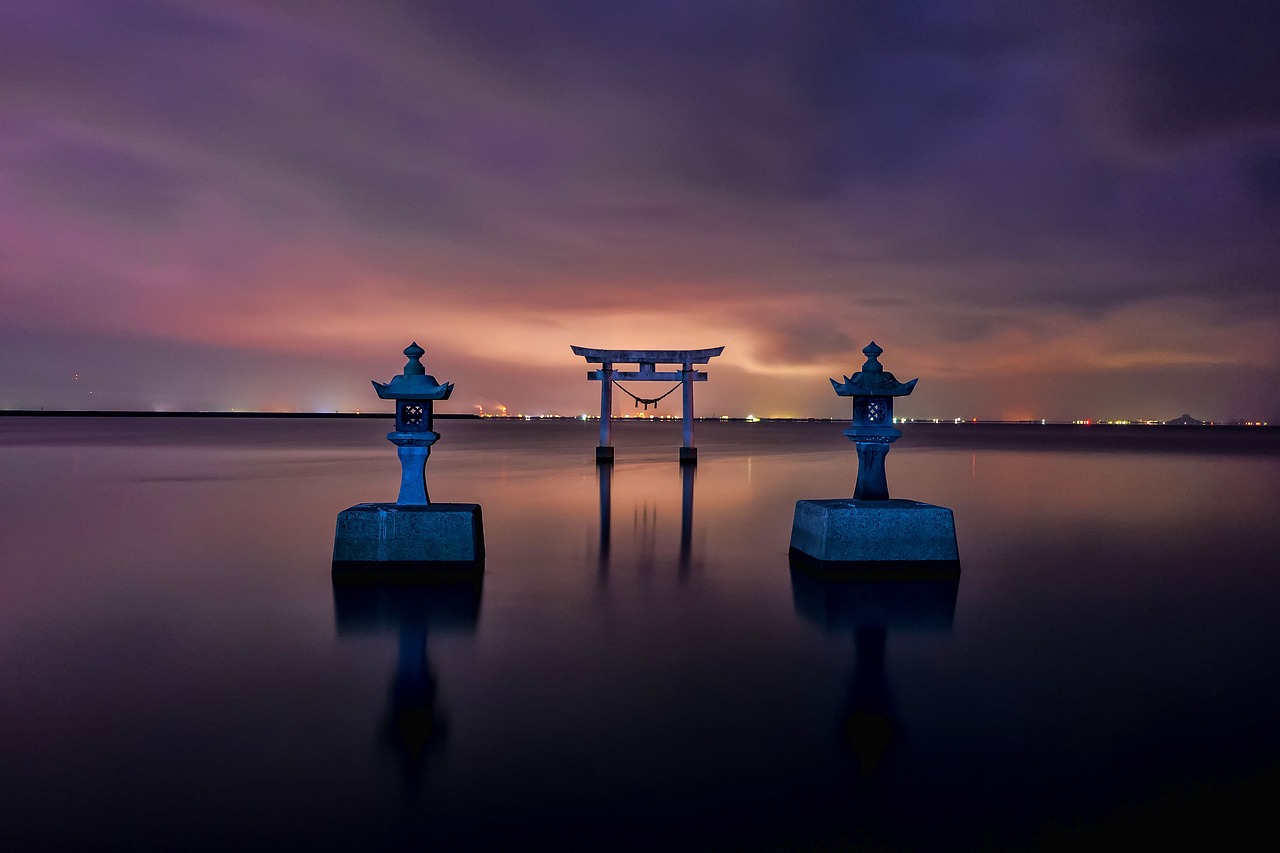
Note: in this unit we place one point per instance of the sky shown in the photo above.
(1053, 209)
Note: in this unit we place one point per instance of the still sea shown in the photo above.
(640, 667)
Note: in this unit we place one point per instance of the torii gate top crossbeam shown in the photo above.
(647, 356)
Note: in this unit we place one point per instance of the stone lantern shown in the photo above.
(873, 535)
(413, 536)
(415, 392)
(872, 389)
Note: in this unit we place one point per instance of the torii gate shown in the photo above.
(647, 360)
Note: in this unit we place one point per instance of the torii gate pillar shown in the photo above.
(647, 362)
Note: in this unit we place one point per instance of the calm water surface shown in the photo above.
(640, 668)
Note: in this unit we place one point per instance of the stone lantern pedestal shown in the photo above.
(872, 533)
(412, 538)
(373, 537)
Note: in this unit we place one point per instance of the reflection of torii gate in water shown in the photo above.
(647, 360)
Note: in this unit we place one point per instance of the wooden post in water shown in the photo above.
(688, 453)
(604, 453)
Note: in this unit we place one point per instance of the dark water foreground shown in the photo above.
(178, 672)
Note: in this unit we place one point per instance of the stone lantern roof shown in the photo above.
(415, 383)
(873, 380)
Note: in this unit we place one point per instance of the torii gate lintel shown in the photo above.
(647, 363)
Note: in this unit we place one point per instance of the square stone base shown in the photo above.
(849, 534)
(390, 538)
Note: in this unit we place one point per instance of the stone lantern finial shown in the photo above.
(414, 366)
(873, 353)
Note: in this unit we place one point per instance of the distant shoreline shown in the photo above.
(99, 413)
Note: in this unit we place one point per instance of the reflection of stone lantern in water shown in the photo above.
(413, 533)
(414, 725)
(870, 611)
(872, 389)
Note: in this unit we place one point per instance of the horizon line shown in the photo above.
(231, 413)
